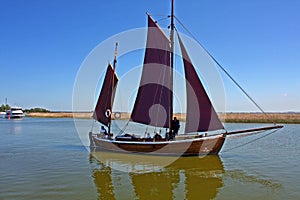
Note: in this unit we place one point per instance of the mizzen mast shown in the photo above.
(112, 88)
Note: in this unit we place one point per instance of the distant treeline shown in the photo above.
(40, 110)
(3, 107)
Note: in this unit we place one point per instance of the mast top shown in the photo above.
(115, 56)
(116, 50)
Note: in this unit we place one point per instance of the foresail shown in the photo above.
(201, 115)
(106, 98)
(153, 98)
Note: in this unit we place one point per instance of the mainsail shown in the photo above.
(106, 98)
(152, 105)
(201, 115)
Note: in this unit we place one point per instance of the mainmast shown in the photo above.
(112, 88)
(171, 63)
(115, 57)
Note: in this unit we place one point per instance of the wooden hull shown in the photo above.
(182, 147)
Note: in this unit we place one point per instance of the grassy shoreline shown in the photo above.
(286, 118)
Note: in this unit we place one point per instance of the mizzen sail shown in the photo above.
(152, 105)
(106, 98)
(201, 115)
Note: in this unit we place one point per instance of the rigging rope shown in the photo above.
(161, 19)
(123, 129)
(251, 141)
(92, 128)
(223, 69)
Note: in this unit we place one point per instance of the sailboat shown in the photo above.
(204, 132)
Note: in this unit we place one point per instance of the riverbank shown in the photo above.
(79, 115)
(287, 118)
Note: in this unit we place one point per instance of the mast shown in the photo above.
(171, 63)
(112, 88)
(115, 56)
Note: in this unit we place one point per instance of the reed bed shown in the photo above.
(292, 118)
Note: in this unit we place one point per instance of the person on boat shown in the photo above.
(103, 130)
(157, 136)
(175, 126)
(148, 136)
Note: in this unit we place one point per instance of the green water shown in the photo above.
(45, 159)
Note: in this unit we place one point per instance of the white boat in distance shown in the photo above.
(15, 112)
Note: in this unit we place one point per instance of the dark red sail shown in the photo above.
(103, 107)
(201, 115)
(152, 105)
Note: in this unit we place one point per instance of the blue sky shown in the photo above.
(43, 43)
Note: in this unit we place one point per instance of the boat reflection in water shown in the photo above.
(128, 176)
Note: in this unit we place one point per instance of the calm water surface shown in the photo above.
(45, 159)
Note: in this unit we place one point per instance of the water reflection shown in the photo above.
(15, 126)
(186, 178)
